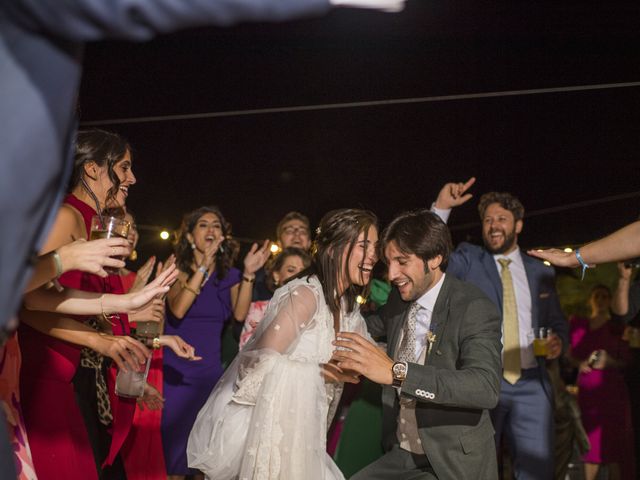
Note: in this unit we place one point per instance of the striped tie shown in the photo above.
(510, 329)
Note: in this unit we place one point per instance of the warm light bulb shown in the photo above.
(548, 264)
(274, 248)
(361, 300)
(164, 235)
(568, 249)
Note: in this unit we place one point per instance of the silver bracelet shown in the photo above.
(58, 263)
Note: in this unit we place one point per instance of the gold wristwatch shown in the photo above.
(399, 372)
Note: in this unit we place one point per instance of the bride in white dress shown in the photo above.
(267, 417)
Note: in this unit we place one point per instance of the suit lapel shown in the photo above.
(439, 317)
(489, 264)
(529, 267)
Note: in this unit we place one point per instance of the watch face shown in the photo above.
(399, 370)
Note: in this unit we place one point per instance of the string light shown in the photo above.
(275, 248)
(164, 235)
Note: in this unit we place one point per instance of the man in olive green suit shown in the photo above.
(443, 368)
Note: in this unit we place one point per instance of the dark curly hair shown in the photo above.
(419, 232)
(184, 252)
(505, 200)
(104, 149)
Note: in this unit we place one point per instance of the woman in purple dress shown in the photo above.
(209, 291)
(599, 352)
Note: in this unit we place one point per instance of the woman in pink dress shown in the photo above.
(281, 268)
(599, 352)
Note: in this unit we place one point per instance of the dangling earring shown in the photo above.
(193, 246)
(133, 256)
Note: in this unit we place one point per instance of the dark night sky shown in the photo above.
(551, 150)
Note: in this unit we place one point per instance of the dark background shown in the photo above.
(552, 150)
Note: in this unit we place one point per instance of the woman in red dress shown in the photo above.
(60, 444)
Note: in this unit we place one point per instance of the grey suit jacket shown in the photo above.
(457, 385)
(41, 44)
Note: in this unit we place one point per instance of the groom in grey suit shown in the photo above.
(441, 372)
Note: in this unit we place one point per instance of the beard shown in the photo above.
(509, 242)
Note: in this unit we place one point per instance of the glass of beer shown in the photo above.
(108, 227)
(540, 342)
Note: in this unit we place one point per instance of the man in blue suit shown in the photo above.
(41, 46)
(523, 288)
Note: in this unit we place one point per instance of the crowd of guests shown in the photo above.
(459, 363)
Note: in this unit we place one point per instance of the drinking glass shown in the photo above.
(109, 227)
(540, 342)
(130, 384)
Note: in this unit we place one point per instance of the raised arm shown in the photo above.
(622, 244)
(78, 302)
(295, 313)
(90, 20)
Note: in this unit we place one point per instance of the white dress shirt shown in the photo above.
(423, 316)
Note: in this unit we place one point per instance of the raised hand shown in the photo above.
(624, 272)
(389, 6)
(156, 289)
(209, 254)
(143, 274)
(454, 194)
(256, 257)
(557, 257)
(94, 256)
(152, 311)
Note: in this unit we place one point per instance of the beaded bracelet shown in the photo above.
(204, 271)
(583, 264)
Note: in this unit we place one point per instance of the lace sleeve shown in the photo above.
(292, 313)
(285, 320)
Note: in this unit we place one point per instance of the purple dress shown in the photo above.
(186, 384)
(603, 397)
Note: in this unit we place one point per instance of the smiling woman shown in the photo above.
(101, 178)
(268, 415)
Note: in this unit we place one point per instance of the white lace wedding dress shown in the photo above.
(267, 417)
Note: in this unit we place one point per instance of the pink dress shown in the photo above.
(256, 313)
(603, 397)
